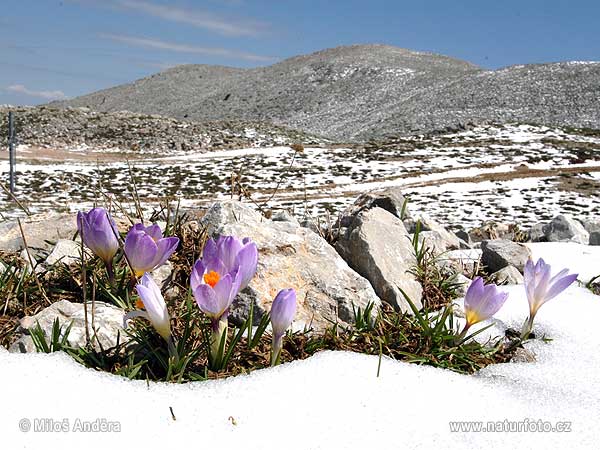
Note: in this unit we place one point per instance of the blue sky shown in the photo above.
(63, 48)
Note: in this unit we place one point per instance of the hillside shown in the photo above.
(364, 91)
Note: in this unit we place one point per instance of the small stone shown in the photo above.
(507, 275)
(108, 322)
(66, 251)
(522, 355)
(564, 228)
(500, 253)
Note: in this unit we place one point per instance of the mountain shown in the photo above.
(364, 91)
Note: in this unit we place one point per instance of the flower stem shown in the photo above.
(460, 338)
(276, 350)
(173, 349)
(219, 333)
(110, 272)
(527, 327)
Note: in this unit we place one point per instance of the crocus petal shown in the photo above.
(209, 252)
(131, 314)
(474, 292)
(226, 290)
(247, 260)
(283, 311)
(165, 248)
(560, 285)
(541, 287)
(140, 250)
(196, 277)
(228, 248)
(482, 301)
(97, 231)
(154, 232)
(155, 305)
(207, 301)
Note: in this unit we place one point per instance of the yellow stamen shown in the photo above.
(212, 278)
(139, 304)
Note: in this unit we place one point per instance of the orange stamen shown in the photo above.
(139, 304)
(211, 278)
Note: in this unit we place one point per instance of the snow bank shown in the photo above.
(331, 401)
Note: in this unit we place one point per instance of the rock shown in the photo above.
(507, 275)
(566, 229)
(108, 322)
(66, 251)
(283, 215)
(461, 261)
(522, 355)
(378, 247)
(162, 274)
(590, 225)
(536, 233)
(491, 230)
(462, 234)
(293, 257)
(437, 236)
(41, 231)
(389, 199)
(500, 253)
(436, 242)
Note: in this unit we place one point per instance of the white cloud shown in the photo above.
(197, 18)
(48, 95)
(184, 48)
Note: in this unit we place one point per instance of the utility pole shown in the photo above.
(11, 150)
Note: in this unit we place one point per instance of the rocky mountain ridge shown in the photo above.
(361, 92)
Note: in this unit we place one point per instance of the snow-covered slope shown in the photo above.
(333, 400)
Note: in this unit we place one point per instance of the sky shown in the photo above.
(56, 49)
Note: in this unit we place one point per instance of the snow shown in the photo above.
(583, 259)
(333, 400)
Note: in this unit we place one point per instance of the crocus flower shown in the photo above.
(146, 248)
(214, 289)
(235, 255)
(226, 267)
(98, 232)
(155, 309)
(283, 311)
(481, 302)
(541, 287)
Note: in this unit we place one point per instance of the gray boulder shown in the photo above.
(41, 231)
(66, 251)
(378, 247)
(595, 238)
(566, 229)
(389, 199)
(464, 262)
(507, 275)
(291, 256)
(499, 253)
(108, 323)
(536, 233)
(436, 236)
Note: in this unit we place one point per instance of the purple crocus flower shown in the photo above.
(482, 301)
(283, 311)
(146, 248)
(234, 255)
(155, 310)
(226, 267)
(541, 287)
(99, 233)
